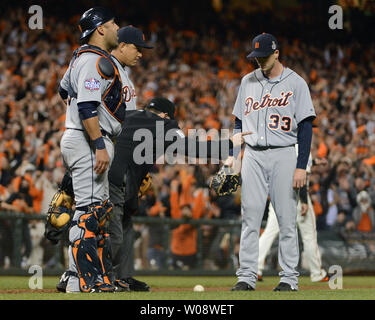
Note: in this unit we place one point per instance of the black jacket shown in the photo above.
(144, 138)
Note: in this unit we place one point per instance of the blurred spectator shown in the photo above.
(363, 214)
(225, 207)
(20, 201)
(188, 203)
(156, 252)
(6, 243)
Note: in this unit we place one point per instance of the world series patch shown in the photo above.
(92, 84)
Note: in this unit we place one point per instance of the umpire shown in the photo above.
(126, 176)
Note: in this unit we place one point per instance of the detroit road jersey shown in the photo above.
(78, 154)
(272, 110)
(89, 85)
(128, 89)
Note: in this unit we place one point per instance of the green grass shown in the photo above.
(181, 288)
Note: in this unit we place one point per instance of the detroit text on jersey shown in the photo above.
(267, 101)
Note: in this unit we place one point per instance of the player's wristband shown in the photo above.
(237, 129)
(303, 194)
(63, 93)
(99, 143)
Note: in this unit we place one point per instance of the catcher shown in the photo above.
(129, 179)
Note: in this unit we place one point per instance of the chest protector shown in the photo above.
(107, 68)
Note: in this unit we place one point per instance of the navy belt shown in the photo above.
(262, 148)
(104, 133)
(86, 208)
(76, 129)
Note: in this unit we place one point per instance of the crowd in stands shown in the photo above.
(200, 73)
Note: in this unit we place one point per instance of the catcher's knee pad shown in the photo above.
(87, 262)
(88, 223)
(85, 227)
(101, 212)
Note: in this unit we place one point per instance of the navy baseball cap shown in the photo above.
(130, 34)
(263, 45)
(163, 105)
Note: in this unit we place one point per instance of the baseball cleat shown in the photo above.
(103, 287)
(136, 285)
(61, 286)
(326, 278)
(242, 286)
(282, 286)
(122, 286)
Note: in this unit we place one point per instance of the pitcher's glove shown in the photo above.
(225, 181)
(146, 184)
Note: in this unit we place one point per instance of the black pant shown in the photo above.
(121, 237)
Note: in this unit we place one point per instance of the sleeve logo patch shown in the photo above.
(92, 84)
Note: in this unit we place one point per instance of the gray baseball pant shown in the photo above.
(268, 172)
(89, 188)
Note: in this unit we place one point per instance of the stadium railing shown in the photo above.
(230, 227)
(354, 252)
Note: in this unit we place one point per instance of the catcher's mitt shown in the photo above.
(225, 182)
(146, 184)
(58, 216)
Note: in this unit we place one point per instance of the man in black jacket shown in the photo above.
(163, 137)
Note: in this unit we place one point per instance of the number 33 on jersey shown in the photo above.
(272, 108)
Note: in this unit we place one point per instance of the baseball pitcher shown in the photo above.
(274, 103)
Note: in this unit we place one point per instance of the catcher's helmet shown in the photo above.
(93, 18)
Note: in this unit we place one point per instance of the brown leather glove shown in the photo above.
(145, 186)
